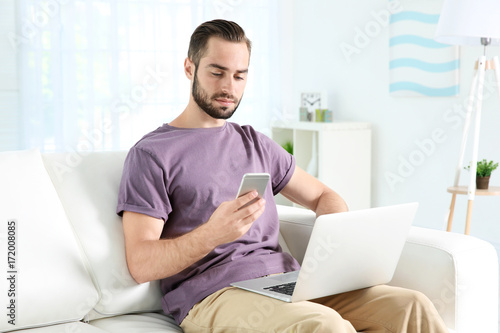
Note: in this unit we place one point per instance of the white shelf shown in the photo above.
(338, 154)
(312, 126)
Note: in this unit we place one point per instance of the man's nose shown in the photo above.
(228, 85)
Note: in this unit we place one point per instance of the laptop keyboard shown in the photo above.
(285, 288)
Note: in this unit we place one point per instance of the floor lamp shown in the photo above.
(471, 22)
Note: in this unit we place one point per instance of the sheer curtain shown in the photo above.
(99, 74)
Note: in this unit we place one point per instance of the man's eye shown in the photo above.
(240, 78)
(216, 74)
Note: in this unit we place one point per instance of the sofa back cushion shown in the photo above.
(44, 278)
(88, 187)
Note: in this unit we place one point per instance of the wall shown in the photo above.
(358, 91)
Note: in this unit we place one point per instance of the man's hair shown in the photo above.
(226, 30)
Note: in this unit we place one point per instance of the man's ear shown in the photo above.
(189, 68)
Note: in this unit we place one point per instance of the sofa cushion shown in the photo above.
(48, 280)
(147, 322)
(77, 327)
(88, 187)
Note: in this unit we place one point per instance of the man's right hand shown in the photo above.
(151, 258)
(229, 221)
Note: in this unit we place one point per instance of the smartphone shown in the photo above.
(253, 181)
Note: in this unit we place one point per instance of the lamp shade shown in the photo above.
(465, 22)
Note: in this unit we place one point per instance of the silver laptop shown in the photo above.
(346, 251)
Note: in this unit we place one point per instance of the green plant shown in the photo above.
(288, 146)
(484, 168)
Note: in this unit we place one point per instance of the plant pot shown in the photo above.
(482, 182)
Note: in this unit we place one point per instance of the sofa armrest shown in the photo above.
(295, 228)
(458, 273)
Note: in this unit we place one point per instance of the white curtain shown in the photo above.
(99, 74)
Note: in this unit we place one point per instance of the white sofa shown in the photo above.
(69, 272)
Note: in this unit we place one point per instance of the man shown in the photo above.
(183, 226)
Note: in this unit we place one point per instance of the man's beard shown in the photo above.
(201, 98)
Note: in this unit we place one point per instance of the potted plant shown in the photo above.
(288, 146)
(483, 173)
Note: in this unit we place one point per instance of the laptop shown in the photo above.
(346, 251)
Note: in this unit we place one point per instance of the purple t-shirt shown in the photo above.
(181, 176)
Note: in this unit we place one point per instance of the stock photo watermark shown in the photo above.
(371, 30)
(139, 93)
(417, 157)
(324, 251)
(447, 296)
(265, 308)
(12, 271)
(224, 6)
(123, 106)
(31, 27)
(453, 118)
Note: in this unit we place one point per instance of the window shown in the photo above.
(99, 74)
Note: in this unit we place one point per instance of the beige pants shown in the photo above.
(376, 309)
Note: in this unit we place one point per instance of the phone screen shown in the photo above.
(253, 181)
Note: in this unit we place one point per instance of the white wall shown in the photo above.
(358, 91)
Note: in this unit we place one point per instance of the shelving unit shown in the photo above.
(338, 154)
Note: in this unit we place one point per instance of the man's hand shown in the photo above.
(228, 222)
(151, 258)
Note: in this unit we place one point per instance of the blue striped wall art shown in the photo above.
(418, 65)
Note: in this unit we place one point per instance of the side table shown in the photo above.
(492, 190)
